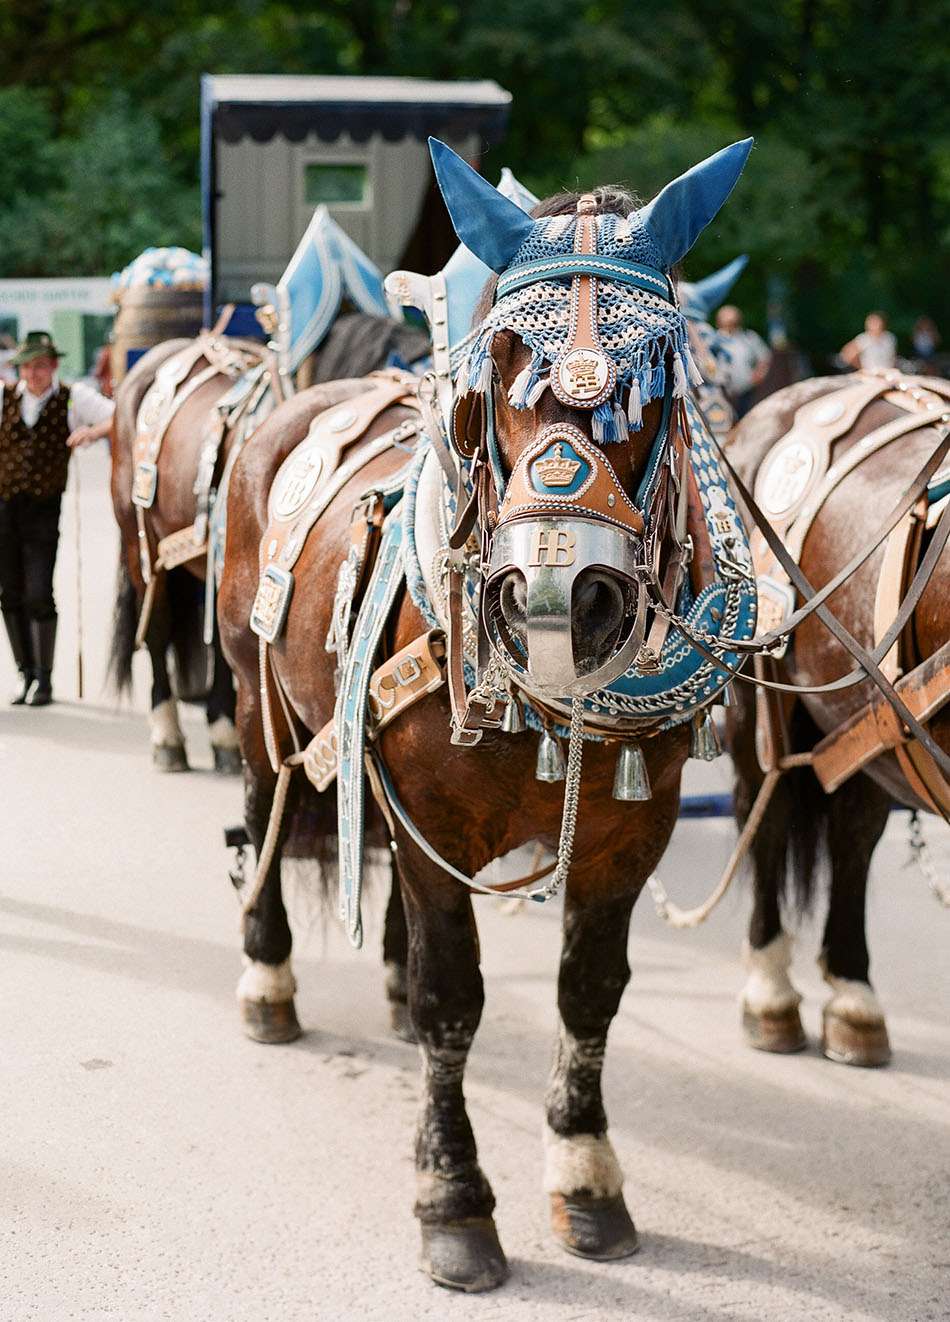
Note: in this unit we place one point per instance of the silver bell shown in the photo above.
(551, 765)
(631, 782)
(704, 739)
(726, 698)
(513, 720)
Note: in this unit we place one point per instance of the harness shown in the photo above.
(256, 386)
(691, 590)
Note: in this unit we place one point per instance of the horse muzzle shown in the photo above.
(563, 604)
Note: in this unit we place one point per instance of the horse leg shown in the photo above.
(395, 957)
(220, 709)
(168, 742)
(769, 1000)
(454, 1204)
(266, 988)
(582, 1176)
(853, 1027)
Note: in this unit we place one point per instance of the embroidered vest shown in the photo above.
(33, 460)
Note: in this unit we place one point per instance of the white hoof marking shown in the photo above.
(222, 733)
(853, 1001)
(272, 983)
(166, 732)
(768, 988)
(581, 1163)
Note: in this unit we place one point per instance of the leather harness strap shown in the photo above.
(867, 665)
(875, 728)
(397, 684)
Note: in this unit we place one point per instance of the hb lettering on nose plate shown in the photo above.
(553, 548)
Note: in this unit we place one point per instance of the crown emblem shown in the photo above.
(555, 470)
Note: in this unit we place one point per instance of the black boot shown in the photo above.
(43, 634)
(20, 646)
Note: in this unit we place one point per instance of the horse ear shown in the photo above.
(678, 215)
(491, 226)
(714, 289)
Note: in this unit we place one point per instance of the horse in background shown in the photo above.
(874, 431)
(176, 625)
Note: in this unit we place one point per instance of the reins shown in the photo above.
(868, 661)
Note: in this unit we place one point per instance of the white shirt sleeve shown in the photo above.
(87, 408)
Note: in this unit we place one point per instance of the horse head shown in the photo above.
(567, 406)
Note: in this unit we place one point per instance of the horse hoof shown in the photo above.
(169, 757)
(227, 761)
(597, 1228)
(464, 1255)
(400, 1022)
(271, 1022)
(848, 1043)
(781, 1032)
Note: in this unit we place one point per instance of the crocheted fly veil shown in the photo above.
(604, 337)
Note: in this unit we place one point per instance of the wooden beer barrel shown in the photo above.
(149, 314)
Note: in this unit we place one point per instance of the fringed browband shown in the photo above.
(601, 342)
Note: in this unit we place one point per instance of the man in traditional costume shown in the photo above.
(39, 419)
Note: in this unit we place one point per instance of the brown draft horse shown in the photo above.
(473, 805)
(177, 609)
(803, 824)
(176, 619)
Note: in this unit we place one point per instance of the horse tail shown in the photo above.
(807, 819)
(790, 846)
(186, 596)
(125, 617)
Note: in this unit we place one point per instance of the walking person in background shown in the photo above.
(39, 419)
(874, 347)
(925, 338)
(749, 358)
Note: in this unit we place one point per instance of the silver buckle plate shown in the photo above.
(144, 485)
(271, 602)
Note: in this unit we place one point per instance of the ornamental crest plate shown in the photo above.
(295, 483)
(786, 478)
(559, 470)
(583, 378)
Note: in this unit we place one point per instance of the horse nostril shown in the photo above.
(513, 601)
(597, 616)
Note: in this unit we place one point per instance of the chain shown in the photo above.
(572, 788)
(920, 855)
(492, 685)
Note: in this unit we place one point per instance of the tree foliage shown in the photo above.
(847, 196)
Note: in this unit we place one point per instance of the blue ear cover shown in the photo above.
(699, 298)
(491, 226)
(466, 275)
(678, 215)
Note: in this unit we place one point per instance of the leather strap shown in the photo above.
(874, 729)
(867, 664)
(401, 681)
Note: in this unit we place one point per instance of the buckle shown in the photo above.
(408, 671)
(271, 602)
(144, 484)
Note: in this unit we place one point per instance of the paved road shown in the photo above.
(156, 1165)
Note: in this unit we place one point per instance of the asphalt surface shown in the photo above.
(154, 1164)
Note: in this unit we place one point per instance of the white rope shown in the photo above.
(680, 918)
(270, 839)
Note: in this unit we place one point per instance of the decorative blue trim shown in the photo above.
(619, 269)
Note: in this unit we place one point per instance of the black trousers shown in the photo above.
(29, 536)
